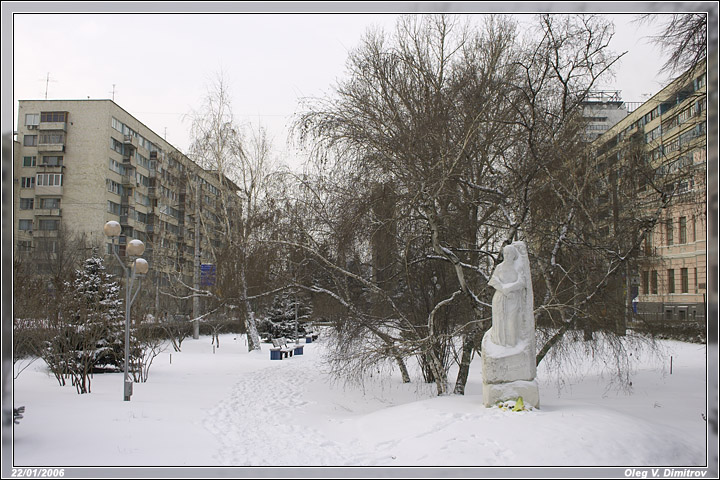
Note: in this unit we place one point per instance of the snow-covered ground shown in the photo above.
(231, 408)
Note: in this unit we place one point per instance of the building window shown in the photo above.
(116, 167)
(52, 138)
(26, 203)
(49, 203)
(25, 225)
(685, 115)
(648, 243)
(113, 208)
(24, 246)
(654, 282)
(32, 118)
(695, 280)
(669, 233)
(114, 187)
(684, 281)
(646, 282)
(30, 140)
(29, 161)
(142, 199)
(671, 146)
(49, 179)
(49, 224)
(53, 116)
(683, 230)
(142, 179)
(27, 182)
(653, 134)
(142, 161)
(52, 160)
(671, 280)
(694, 229)
(117, 146)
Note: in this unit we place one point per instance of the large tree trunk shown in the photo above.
(439, 373)
(403, 369)
(467, 353)
(252, 332)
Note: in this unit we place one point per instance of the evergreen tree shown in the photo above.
(91, 333)
(281, 315)
(105, 312)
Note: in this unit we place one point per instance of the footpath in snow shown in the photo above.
(235, 409)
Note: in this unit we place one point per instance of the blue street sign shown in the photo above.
(207, 274)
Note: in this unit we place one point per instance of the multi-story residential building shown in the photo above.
(670, 282)
(81, 163)
(602, 110)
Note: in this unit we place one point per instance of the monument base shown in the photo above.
(509, 372)
(494, 393)
(507, 364)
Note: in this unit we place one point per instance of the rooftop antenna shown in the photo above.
(113, 92)
(165, 136)
(47, 82)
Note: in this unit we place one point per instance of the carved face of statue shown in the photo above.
(510, 254)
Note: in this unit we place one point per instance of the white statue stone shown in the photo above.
(508, 348)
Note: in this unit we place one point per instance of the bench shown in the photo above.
(281, 349)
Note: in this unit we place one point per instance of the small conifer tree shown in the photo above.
(282, 314)
(91, 334)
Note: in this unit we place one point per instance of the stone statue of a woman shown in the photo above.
(508, 348)
(508, 304)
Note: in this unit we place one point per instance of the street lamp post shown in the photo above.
(139, 267)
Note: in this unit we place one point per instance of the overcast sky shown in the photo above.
(158, 66)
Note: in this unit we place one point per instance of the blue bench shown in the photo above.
(281, 349)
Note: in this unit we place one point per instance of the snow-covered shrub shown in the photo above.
(175, 329)
(146, 345)
(88, 335)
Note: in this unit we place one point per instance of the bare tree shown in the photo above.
(682, 38)
(244, 165)
(147, 345)
(450, 140)
(416, 119)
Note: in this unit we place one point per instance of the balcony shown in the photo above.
(44, 126)
(44, 233)
(54, 190)
(51, 147)
(128, 180)
(50, 168)
(48, 212)
(130, 141)
(127, 221)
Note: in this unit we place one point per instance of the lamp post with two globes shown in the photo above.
(139, 267)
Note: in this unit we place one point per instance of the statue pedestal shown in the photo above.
(509, 373)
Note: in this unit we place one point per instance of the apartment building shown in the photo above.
(670, 281)
(81, 163)
(602, 110)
